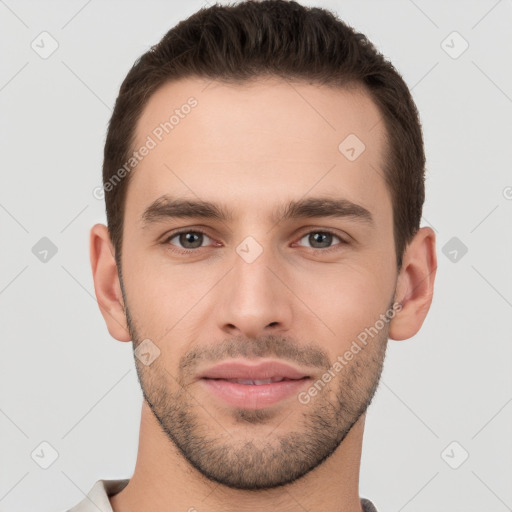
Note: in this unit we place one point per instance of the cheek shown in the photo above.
(162, 295)
(347, 298)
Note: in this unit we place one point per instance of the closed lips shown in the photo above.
(243, 372)
(244, 384)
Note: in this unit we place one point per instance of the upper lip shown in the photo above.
(236, 369)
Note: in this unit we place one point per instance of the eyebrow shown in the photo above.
(167, 207)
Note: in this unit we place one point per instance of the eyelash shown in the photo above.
(189, 251)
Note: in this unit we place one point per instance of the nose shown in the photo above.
(254, 299)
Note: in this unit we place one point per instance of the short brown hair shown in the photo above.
(240, 42)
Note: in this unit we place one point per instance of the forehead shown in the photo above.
(257, 144)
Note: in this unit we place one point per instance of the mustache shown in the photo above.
(280, 347)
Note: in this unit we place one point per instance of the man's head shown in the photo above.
(273, 215)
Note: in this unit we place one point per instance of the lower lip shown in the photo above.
(253, 396)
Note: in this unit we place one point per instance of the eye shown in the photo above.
(189, 239)
(322, 240)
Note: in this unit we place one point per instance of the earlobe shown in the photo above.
(106, 282)
(415, 285)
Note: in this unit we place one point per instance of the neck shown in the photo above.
(164, 480)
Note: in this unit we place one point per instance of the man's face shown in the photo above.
(259, 286)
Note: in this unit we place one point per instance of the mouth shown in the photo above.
(246, 385)
(264, 372)
(254, 393)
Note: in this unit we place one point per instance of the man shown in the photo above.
(264, 182)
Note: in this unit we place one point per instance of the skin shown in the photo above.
(252, 148)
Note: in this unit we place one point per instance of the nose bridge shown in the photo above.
(254, 282)
(253, 255)
(254, 297)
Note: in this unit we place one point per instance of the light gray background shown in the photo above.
(65, 381)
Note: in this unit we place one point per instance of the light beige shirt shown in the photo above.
(97, 498)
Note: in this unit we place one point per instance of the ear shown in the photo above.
(106, 282)
(415, 286)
